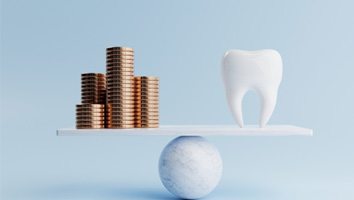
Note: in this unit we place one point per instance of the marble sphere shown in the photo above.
(190, 167)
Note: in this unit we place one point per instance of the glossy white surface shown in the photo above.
(198, 130)
(190, 167)
(260, 71)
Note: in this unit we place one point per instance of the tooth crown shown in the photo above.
(260, 71)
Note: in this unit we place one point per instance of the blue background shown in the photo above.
(46, 45)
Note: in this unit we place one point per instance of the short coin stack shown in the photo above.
(91, 113)
(90, 116)
(120, 87)
(93, 88)
(146, 102)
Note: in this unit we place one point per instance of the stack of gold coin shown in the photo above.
(93, 88)
(120, 87)
(90, 116)
(146, 102)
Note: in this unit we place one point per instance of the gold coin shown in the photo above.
(128, 53)
(152, 86)
(119, 55)
(120, 126)
(122, 79)
(114, 74)
(125, 85)
(93, 92)
(86, 110)
(89, 127)
(120, 58)
(119, 49)
(120, 114)
(93, 82)
(122, 84)
(92, 75)
(92, 98)
(147, 98)
(97, 86)
(122, 109)
(89, 124)
(149, 106)
(149, 121)
(121, 106)
(113, 54)
(144, 103)
(149, 113)
(102, 77)
(120, 90)
(120, 102)
(147, 77)
(124, 118)
(119, 61)
(90, 105)
(90, 115)
(120, 66)
(90, 118)
(98, 89)
(89, 108)
(145, 117)
(93, 101)
(121, 122)
(145, 93)
(150, 90)
(113, 86)
(121, 98)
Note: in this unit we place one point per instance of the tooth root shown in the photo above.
(268, 102)
(235, 102)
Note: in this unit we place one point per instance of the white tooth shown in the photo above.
(260, 71)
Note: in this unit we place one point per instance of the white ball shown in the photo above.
(190, 167)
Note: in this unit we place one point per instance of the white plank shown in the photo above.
(201, 130)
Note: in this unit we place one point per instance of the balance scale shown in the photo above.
(191, 137)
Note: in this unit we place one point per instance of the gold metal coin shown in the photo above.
(111, 53)
(89, 123)
(121, 122)
(92, 75)
(89, 127)
(119, 49)
(90, 118)
(114, 66)
(120, 126)
(90, 115)
(147, 77)
(90, 105)
(93, 82)
(114, 74)
(145, 102)
(144, 93)
(89, 109)
(119, 57)
(119, 61)
(121, 106)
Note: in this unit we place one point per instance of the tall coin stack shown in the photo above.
(120, 87)
(91, 113)
(146, 102)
